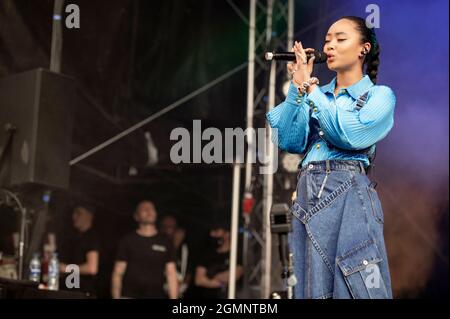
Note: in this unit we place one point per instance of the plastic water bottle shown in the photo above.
(53, 273)
(35, 269)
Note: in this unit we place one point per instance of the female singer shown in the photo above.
(337, 235)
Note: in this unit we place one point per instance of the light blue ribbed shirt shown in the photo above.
(343, 124)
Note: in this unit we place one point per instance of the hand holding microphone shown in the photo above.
(302, 68)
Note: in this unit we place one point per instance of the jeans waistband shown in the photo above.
(334, 165)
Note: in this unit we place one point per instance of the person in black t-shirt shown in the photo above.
(82, 250)
(144, 260)
(212, 271)
(177, 234)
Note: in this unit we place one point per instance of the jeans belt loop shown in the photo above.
(361, 166)
(303, 216)
(299, 212)
(327, 164)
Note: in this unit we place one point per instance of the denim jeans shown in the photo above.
(337, 234)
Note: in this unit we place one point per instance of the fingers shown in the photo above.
(297, 54)
(300, 53)
(290, 67)
(300, 48)
(310, 64)
(309, 52)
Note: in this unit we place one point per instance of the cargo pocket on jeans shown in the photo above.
(360, 267)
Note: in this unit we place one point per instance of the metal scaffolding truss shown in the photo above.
(271, 25)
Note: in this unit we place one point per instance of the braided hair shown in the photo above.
(372, 59)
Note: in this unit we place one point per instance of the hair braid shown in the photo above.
(373, 62)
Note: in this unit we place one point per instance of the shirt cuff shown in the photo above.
(317, 100)
(293, 96)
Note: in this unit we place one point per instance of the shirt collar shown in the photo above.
(355, 90)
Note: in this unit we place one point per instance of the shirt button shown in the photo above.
(310, 166)
(299, 100)
(321, 133)
(315, 109)
(365, 262)
(318, 146)
(311, 103)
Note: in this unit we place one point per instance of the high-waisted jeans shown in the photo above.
(337, 234)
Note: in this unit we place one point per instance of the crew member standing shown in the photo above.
(145, 260)
(82, 250)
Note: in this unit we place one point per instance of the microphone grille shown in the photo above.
(269, 56)
(321, 57)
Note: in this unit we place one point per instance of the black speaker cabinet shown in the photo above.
(39, 104)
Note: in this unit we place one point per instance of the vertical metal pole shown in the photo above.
(268, 189)
(269, 18)
(234, 230)
(250, 93)
(290, 26)
(268, 178)
(57, 39)
(250, 141)
(23, 221)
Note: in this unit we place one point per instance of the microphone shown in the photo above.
(321, 57)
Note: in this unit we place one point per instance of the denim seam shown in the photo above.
(308, 251)
(330, 198)
(295, 212)
(360, 268)
(352, 170)
(308, 270)
(325, 296)
(319, 250)
(349, 287)
(355, 249)
(367, 214)
(373, 206)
